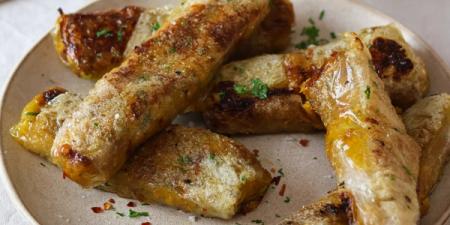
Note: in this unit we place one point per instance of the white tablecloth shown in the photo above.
(24, 22)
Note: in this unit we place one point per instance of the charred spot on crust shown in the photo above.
(230, 100)
(51, 94)
(388, 53)
(74, 157)
(95, 42)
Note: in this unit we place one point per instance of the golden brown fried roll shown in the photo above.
(232, 107)
(428, 122)
(152, 86)
(94, 43)
(403, 72)
(366, 141)
(186, 168)
(333, 209)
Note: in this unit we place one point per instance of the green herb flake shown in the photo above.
(258, 221)
(120, 35)
(278, 216)
(104, 33)
(287, 200)
(135, 214)
(184, 159)
(240, 89)
(120, 214)
(172, 50)
(156, 26)
(211, 156)
(280, 171)
(221, 95)
(392, 177)
(408, 171)
(367, 92)
(243, 178)
(315, 158)
(333, 35)
(311, 33)
(95, 124)
(43, 165)
(259, 89)
(32, 113)
(311, 21)
(322, 15)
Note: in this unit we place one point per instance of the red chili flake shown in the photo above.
(256, 152)
(97, 209)
(146, 223)
(131, 204)
(112, 201)
(64, 175)
(107, 206)
(272, 170)
(282, 190)
(304, 142)
(276, 180)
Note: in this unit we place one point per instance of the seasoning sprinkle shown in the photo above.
(135, 214)
(287, 200)
(97, 209)
(322, 15)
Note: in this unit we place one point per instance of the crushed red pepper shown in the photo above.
(282, 190)
(131, 204)
(146, 223)
(304, 142)
(276, 180)
(112, 201)
(97, 209)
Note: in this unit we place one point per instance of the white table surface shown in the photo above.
(24, 22)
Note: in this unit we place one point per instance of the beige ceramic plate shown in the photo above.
(46, 198)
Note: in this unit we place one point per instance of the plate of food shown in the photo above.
(228, 112)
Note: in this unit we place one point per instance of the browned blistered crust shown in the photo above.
(155, 83)
(92, 44)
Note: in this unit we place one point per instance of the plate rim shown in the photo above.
(10, 187)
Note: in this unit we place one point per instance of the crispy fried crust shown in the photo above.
(402, 72)
(284, 109)
(333, 209)
(157, 81)
(428, 122)
(91, 56)
(185, 172)
(186, 168)
(92, 44)
(366, 140)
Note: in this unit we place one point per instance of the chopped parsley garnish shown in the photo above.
(367, 92)
(322, 15)
(221, 95)
(120, 35)
(120, 214)
(312, 33)
(104, 33)
(407, 170)
(392, 177)
(240, 89)
(95, 124)
(243, 178)
(258, 221)
(32, 113)
(156, 26)
(172, 50)
(287, 200)
(135, 214)
(185, 159)
(212, 156)
(259, 89)
(280, 171)
(333, 35)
